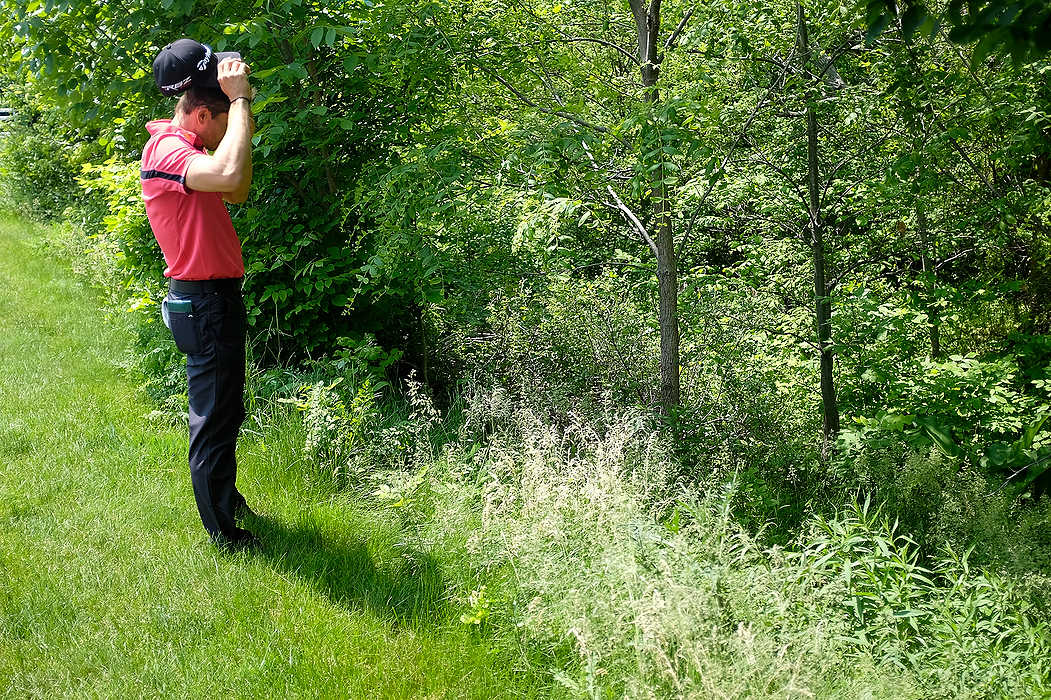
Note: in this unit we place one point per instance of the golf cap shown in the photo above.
(187, 63)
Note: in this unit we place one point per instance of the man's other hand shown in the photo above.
(233, 78)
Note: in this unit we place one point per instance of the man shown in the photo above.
(184, 189)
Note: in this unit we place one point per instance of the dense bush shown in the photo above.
(569, 342)
(40, 160)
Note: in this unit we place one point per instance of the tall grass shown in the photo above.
(582, 553)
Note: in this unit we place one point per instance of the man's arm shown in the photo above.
(229, 169)
(247, 126)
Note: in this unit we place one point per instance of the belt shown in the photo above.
(232, 284)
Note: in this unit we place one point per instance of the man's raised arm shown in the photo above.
(229, 169)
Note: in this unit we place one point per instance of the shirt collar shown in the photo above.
(165, 126)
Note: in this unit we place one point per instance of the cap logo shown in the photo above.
(179, 85)
(203, 63)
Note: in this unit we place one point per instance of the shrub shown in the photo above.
(40, 159)
(961, 631)
(589, 555)
(607, 560)
(570, 342)
(336, 430)
(350, 432)
(123, 258)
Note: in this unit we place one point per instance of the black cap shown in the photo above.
(187, 63)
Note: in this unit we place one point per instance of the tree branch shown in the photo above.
(554, 112)
(846, 159)
(853, 267)
(670, 43)
(623, 208)
(592, 40)
(775, 331)
(722, 166)
(496, 76)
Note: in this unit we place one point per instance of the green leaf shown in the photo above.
(908, 613)
(259, 105)
(1029, 435)
(894, 421)
(914, 16)
(983, 49)
(943, 440)
(316, 36)
(876, 28)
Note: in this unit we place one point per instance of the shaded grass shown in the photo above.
(108, 585)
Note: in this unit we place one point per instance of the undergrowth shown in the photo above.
(582, 550)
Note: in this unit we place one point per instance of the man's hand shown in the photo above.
(233, 78)
(229, 169)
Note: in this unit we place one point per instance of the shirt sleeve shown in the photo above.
(166, 167)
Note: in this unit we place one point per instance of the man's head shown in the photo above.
(186, 63)
(204, 111)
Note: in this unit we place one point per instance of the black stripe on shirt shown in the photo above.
(150, 174)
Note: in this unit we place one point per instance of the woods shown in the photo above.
(777, 271)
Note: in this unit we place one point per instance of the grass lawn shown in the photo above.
(108, 585)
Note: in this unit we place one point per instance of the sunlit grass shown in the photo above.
(109, 586)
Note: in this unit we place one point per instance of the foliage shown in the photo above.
(307, 237)
(38, 169)
(123, 239)
(590, 556)
(970, 410)
(946, 621)
(562, 340)
(417, 162)
(1020, 29)
(451, 211)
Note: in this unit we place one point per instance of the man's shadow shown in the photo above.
(406, 587)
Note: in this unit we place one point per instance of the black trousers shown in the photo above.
(212, 334)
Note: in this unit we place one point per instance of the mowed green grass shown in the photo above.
(108, 585)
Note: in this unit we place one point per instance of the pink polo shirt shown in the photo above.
(193, 228)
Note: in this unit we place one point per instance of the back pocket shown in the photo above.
(184, 330)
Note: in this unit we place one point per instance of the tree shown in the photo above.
(822, 303)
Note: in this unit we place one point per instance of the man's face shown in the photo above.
(212, 128)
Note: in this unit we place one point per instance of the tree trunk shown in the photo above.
(822, 302)
(929, 280)
(668, 313)
(423, 344)
(647, 21)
